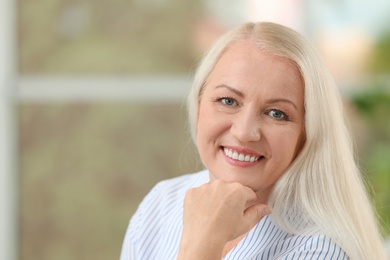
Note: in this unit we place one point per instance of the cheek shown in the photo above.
(287, 146)
(205, 126)
(200, 127)
(209, 131)
(300, 143)
(202, 114)
(210, 123)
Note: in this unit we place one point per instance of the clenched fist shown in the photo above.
(214, 214)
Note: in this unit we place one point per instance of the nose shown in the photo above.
(246, 126)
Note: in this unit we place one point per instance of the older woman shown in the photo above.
(268, 123)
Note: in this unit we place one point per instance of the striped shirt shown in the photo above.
(155, 230)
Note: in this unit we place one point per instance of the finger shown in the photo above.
(250, 197)
(246, 194)
(255, 213)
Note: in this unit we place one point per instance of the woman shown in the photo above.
(268, 123)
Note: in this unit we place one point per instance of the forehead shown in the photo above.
(245, 64)
(247, 50)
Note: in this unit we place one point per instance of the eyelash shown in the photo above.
(284, 114)
(220, 100)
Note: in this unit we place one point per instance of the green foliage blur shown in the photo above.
(380, 62)
(373, 105)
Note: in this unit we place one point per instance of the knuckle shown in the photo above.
(218, 182)
(236, 186)
(190, 192)
(236, 189)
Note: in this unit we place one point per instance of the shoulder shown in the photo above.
(177, 186)
(191, 180)
(164, 197)
(318, 246)
(158, 216)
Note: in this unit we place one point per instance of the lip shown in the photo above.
(243, 151)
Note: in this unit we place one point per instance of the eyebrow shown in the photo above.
(237, 92)
(270, 101)
(276, 100)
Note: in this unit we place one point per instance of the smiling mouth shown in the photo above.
(240, 156)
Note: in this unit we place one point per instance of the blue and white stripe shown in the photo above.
(155, 230)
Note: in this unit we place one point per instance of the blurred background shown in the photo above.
(98, 105)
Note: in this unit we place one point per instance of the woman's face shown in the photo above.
(251, 118)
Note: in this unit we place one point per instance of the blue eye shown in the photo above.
(277, 114)
(228, 101)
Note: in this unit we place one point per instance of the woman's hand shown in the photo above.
(214, 214)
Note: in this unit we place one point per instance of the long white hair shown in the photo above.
(323, 184)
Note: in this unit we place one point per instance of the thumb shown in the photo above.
(256, 212)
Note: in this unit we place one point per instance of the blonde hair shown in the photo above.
(323, 184)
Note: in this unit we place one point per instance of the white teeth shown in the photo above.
(239, 157)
